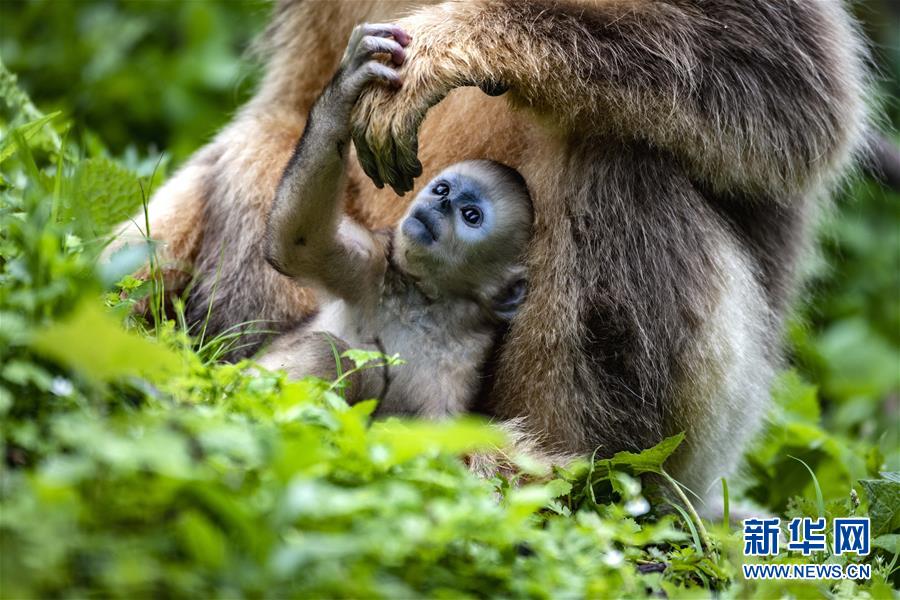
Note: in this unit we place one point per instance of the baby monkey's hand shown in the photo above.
(362, 65)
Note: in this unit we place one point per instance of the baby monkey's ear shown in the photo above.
(506, 302)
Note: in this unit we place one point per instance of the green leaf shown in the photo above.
(106, 191)
(28, 130)
(884, 505)
(92, 343)
(361, 358)
(526, 500)
(407, 439)
(650, 460)
(888, 541)
(647, 461)
(559, 487)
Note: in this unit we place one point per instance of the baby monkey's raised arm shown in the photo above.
(307, 236)
(455, 272)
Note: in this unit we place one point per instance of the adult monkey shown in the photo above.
(675, 152)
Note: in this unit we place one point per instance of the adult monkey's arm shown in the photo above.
(752, 96)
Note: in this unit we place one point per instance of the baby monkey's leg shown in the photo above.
(303, 353)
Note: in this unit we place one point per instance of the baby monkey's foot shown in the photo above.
(363, 61)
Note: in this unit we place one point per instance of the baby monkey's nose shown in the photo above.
(444, 205)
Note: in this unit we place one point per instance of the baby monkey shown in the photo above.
(436, 291)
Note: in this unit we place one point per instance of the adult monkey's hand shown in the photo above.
(385, 123)
(668, 74)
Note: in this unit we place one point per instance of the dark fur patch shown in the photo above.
(644, 283)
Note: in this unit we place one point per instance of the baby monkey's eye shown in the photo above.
(441, 189)
(471, 215)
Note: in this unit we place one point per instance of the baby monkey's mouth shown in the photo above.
(423, 226)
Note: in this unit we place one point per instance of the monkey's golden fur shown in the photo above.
(674, 151)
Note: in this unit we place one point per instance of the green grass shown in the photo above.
(135, 464)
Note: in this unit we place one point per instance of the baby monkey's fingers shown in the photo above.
(370, 39)
(371, 45)
(386, 30)
(375, 71)
(367, 73)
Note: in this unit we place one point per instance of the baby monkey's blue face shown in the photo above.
(453, 205)
(474, 217)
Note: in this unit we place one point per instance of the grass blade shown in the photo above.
(726, 516)
(690, 523)
(820, 500)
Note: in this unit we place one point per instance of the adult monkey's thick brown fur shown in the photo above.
(674, 150)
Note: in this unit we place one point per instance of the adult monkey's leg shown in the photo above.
(739, 110)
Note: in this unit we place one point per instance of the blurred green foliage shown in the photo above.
(149, 73)
(135, 464)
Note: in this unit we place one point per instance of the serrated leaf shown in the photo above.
(650, 460)
(107, 191)
(884, 505)
(558, 487)
(361, 358)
